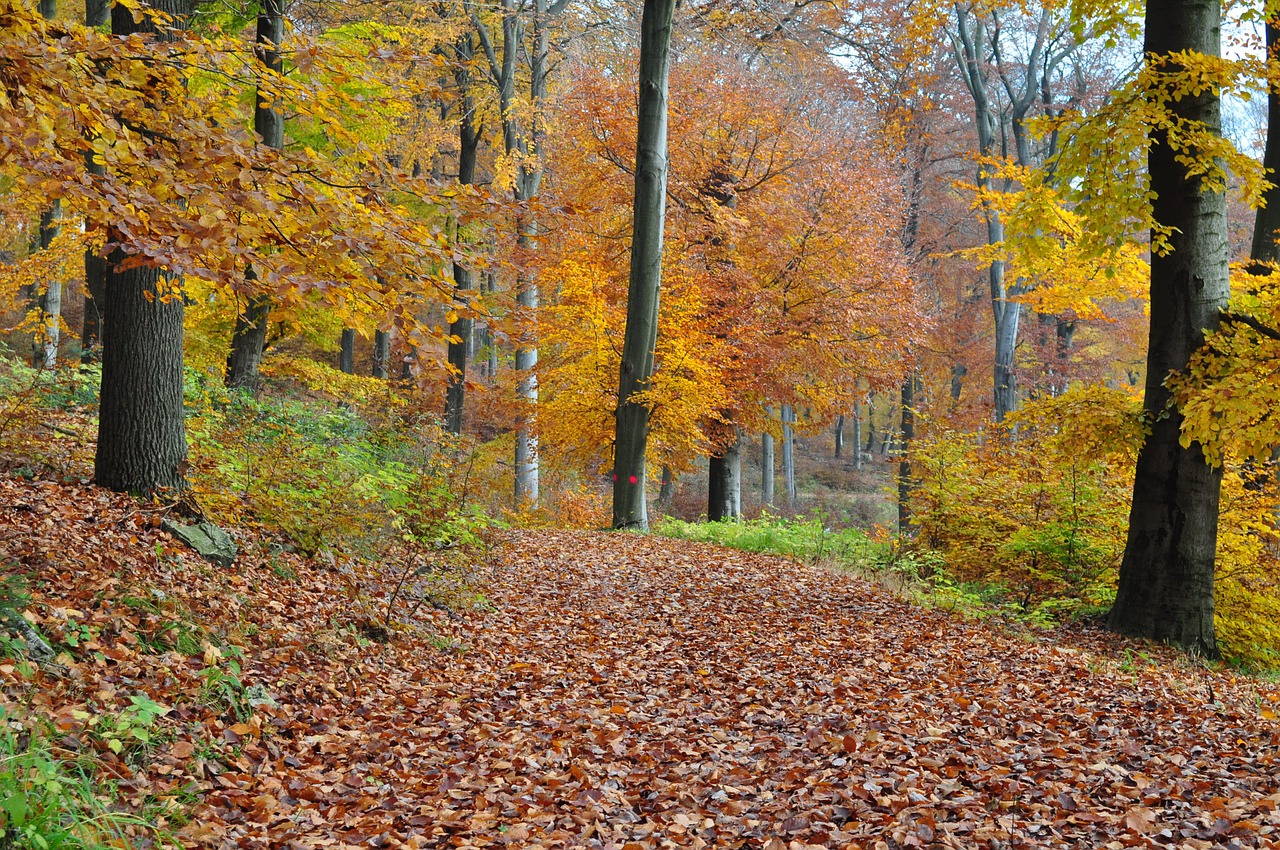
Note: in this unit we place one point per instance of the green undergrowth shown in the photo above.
(914, 572)
(51, 799)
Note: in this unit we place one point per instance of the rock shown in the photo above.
(207, 539)
(258, 697)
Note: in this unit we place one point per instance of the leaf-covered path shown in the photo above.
(638, 693)
(630, 693)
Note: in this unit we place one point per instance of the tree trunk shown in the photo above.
(347, 353)
(789, 454)
(526, 483)
(766, 470)
(45, 351)
(724, 483)
(248, 342)
(1264, 250)
(857, 437)
(463, 282)
(667, 490)
(250, 336)
(1166, 577)
(381, 354)
(142, 443)
(839, 435)
(632, 424)
(905, 483)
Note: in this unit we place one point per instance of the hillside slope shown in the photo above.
(619, 692)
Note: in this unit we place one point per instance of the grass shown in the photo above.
(48, 802)
(805, 539)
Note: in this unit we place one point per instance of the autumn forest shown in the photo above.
(639, 424)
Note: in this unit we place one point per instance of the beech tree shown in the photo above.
(142, 442)
(1166, 577)
(649, 210)
(250, 335)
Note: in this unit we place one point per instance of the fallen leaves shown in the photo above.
(626, 692)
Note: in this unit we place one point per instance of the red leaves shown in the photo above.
(631, 692)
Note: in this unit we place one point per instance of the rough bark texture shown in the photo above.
(142, 444)
(381, 355)
(1166, 576)
(347, 351)
(250, 336)
(632, 424)
(724, 484)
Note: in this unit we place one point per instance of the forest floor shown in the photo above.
(616, 691)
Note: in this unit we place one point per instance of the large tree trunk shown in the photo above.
(142, 443)
(463, 279)
(1166, 576)
(789, 455)
(724, 483)
(250, 336)
(632, 424)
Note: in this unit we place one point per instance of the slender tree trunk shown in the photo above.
(381, 354)
(789, 454)
(839, 435)
(724, 484)
(45, 351)
(142, 443)
(250, 336)
(463, 279)
(632, 425)
(905, 482)
(1266, 224)
(766, 470)
(526, 483)
(248, 341)
(347, 353)
(1166, 576)
(857, 437)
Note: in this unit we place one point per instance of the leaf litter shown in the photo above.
(620, 692)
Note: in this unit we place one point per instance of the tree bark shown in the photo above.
(44, 352)
(857, 437)
(766, 470)
(789, 455)
(632, 423)
(1264, 250)
(347, 351)
(1166, 576)
(142, 443)
(97, 13)
(381, 355)
(724, 483)
(839, 435)
(250, 335)
(463, 279)
(666, 490)
(905, 483)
